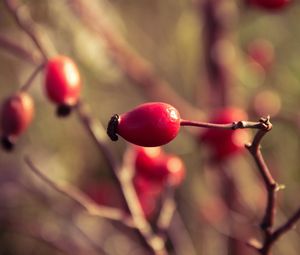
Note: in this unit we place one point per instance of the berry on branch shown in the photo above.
(62, 83)
(16, 114)
(149, 125)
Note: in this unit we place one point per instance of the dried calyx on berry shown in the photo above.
(16, 115)
(150, 124)
(62, 83)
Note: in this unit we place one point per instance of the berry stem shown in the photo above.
(30, 79)
(231, 126)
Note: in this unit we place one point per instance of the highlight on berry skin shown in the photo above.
(155, 170)
(16, 115)
(62, 83)
(149, 125)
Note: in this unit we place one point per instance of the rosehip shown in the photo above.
(146, 162)
(149, 125)
(16, 115)
(270, 4)
(225, 143)
(62, 83)
(152, 164)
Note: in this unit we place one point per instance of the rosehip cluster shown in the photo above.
(62, 86)
(16, 114)
(225, 143)
(154, 170)
(62, 83)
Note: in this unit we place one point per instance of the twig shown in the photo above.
(23, 19)
(180, 236)
(233, 126)
(288, 225)
(122, 175)
(270, 184)
(11, 46)
(167, 210)
(30, 79)
(35, 233)
(137, 69)
(82, 200)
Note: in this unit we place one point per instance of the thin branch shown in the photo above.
(138, 70)
(11, 46)
(232, 126)
(180, 236)
(288, 225)
(36, 233)
(121, 173)
(82, 200)
(23, 19)
(30, 79)
(270, 184)
(167, 210)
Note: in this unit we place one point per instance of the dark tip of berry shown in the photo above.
(63, 110)
(7, 143)
(112, 127)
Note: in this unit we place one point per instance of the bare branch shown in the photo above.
(270, 184)
(288, 225)
(137, 69)
(122, 175)
(23, 19)
(11, 46)
(30, 79)
(81, 199)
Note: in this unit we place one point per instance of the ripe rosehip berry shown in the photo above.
(270, 4)
(225, 143)
(62, 83)
(175, 168)
(16, 115)
(153, 165)
(149, 125)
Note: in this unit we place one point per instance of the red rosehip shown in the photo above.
(270, 4)
(225, 143)
(147, 160)
(148, 125)
(148, 203)
(143, 184)
(16, 115)
(62, 83)
(153, 165)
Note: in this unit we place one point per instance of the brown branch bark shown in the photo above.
(30, 56)
(22, 17)
(139, 71)
(81, 199)
(123, 177)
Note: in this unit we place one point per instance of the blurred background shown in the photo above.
(259, 50)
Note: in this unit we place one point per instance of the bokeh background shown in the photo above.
(169, 35)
